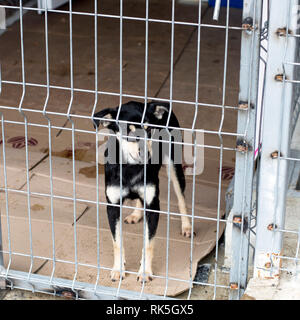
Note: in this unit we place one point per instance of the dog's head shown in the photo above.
(132, 125)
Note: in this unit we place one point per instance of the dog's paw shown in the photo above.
(146, 277)
(187, 231)
(115, 275)
(133, 218)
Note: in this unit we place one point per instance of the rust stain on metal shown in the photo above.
(242, 146)
(233, 286)
(279, 77)
(243, 106)
(275, 154)
(281, 32)
(271, 227)
(237, 219)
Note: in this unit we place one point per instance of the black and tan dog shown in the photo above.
(132, 145)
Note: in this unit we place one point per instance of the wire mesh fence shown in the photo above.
(151, 84)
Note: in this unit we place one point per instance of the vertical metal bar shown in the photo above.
(26, 135)
(276, 134)
(249, 70)
(195, 143)
(6, 204)
(49, 140)
(121, 153)
(145, 234)
(73, 141)
(1, 250)
(221, 148)
(170, 141)
(96, 129)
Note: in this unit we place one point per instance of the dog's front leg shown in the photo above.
(145, 273)
(119, 254)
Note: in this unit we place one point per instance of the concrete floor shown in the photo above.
(185, 49)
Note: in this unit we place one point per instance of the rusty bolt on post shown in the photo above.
(247, 25)
(233, 286)
(237, 220)
(275, 154)
(272, 227)
(279, 77)
(242, 146)
(244, 105)
(281, 32)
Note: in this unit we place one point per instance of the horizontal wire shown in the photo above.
(109, 204)
(116, 94)
(130, 272)
(192, 24)
(130, 122)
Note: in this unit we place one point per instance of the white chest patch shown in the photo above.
(150, 192)
(113, 193)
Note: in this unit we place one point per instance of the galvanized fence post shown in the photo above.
(275, 137)
(1, 249)
(1, 245)
(248, 97)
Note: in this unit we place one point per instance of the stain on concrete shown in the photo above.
(79, 154)
(37, 207)
(90, 172)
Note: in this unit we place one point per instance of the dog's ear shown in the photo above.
(159, 109)
(108, 114)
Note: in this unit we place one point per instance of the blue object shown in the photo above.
(233, 3)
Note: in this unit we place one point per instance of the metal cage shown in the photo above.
(248, 119)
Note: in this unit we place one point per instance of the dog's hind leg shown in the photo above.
(113, 214)
(145, 272)
(137, 215)
(178, 179)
